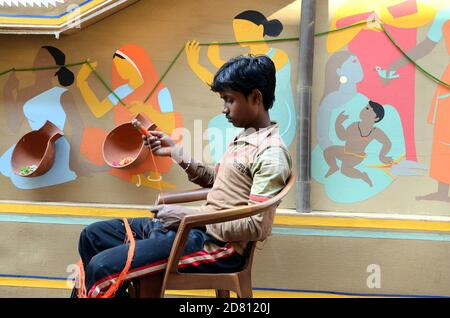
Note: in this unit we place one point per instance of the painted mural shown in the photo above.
(366, 136)
(133, 78)
(107, 83)
(42, 101)
(249, 26)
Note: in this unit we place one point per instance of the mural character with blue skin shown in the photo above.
(343, 73)
(249, 26)
(40, 102)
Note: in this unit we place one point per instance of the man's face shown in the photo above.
(241, 111)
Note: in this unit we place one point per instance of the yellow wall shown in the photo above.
(161, 29)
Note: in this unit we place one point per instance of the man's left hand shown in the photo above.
(170, 215)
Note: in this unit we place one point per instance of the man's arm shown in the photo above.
(270, 172)
(199, 173)
(163, 145)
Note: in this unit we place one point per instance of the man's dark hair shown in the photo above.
(246, 73)
(378, 110)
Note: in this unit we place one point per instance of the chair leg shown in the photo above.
(149, 287)
(245, 291)
(244, 285)
(220, 293)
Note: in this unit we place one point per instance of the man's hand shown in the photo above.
(170, 215)
(159, 143)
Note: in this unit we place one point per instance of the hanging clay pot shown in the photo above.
(34, 154)
(123, 147)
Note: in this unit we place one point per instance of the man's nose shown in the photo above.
(225, 110)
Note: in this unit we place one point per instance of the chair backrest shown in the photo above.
(250, 250)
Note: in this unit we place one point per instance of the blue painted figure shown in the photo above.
(40, 102)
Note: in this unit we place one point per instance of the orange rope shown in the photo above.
(120, 279)
(81, 292)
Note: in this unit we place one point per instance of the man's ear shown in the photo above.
(257, 97)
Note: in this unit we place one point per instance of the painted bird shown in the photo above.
(385, 74)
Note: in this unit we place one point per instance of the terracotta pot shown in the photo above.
(125, 141)
(36, 148)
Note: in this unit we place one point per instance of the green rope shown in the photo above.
(43, 68)
(164, 75)
(343, 28)
(251, 41)
(104, 83)
(424, 71)
(177, 56)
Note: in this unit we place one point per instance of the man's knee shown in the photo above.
(97, 267)
(89, 235)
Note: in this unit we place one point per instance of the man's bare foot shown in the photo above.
(435, 196)
(331, 171)
(367, 179)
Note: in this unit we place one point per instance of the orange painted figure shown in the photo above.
(439, 113)
(133, 78)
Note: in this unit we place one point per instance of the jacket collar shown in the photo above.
(255, 138)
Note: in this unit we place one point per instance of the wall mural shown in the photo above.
(365, 121)
(249, 25)
(38, 103)
(133, 77)
(49, 101)
(46, 102)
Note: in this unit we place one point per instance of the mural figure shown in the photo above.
(249, 26)
(40, 102)
(370, 159)
(356, 137)
(439, 113)
(133, 77)
(375, 51)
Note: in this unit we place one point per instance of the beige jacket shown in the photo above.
(255, 167)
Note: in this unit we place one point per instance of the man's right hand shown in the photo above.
(159, 143)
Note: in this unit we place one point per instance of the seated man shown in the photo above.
(255, 168)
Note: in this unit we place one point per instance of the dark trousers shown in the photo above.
(104, 253)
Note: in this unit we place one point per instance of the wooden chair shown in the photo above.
(239, 282)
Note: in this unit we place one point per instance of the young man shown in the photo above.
(255, 168)
(357, 137)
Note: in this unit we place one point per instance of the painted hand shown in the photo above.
(386, 160)
(192, 50)
(12, 83)
(214, 54)
(137, 107)
(342, 117)
(85, 71)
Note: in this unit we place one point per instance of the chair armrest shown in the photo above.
(183, 197)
